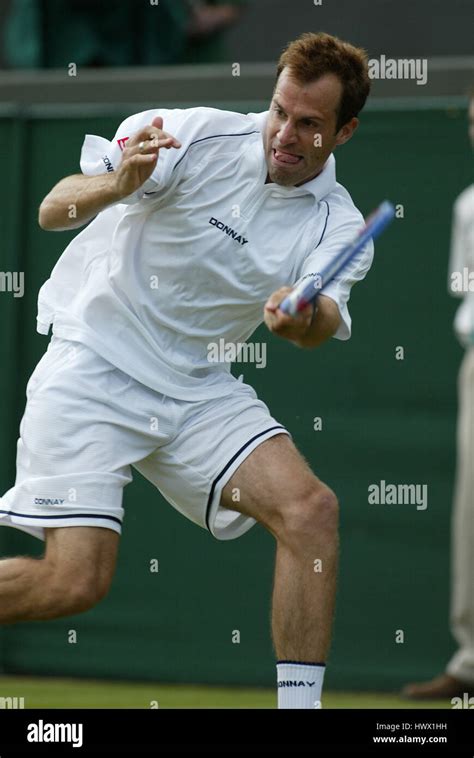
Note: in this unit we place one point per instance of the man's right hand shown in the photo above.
(76, 199)
(140, 156)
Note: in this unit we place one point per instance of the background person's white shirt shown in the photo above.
(462, 257)
(192, 257)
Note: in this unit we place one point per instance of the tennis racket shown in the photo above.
(307, 291)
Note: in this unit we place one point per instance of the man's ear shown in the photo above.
(345, 132)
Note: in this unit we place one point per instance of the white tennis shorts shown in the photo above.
(86, 423)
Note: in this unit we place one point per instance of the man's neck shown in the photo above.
(269, 181)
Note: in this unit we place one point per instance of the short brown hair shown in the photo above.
(312, 55)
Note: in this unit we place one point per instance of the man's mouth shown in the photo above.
(282, 158)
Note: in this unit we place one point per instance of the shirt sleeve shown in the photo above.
(334, 238)
(99, 155)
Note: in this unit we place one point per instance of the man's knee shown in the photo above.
(88, 593)
(80, 564)
(72, 593)
(313, 513)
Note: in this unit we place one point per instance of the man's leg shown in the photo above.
(278, 489)
(74, 574)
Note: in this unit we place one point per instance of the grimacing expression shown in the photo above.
(301, 128)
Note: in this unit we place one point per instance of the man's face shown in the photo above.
(471, 121)
(301, 128)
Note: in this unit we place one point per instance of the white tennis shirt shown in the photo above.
(192, 257)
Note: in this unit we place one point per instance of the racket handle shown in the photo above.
(299, 298)
(289, 304)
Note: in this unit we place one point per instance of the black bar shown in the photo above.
(313, 733)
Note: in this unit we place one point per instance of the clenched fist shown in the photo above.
(292, 328)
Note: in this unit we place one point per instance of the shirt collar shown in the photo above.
(320, 186)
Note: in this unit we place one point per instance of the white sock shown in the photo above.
(299, 684)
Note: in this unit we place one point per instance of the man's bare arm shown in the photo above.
(324, 325)
(304, 329)
(76, 199)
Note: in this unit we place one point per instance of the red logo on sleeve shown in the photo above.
(121, 142)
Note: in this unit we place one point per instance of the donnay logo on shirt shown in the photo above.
(228, 230)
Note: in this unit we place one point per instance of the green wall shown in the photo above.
(382, 419)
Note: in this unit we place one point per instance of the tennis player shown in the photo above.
(199, 221)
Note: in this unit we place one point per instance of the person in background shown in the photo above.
(207, 22)
(54, 33)
(458, 677)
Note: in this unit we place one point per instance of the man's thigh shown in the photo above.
(274, 475)
(84, 423)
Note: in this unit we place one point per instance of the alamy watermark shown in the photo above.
(466, 701)
(399, 68)
(382, 493)
(12, 281)
(237, 352)
(42, 731)
(12, 703)
(462, 281)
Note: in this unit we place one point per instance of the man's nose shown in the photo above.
(287, 133)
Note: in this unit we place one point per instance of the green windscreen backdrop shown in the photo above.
(387, 404)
